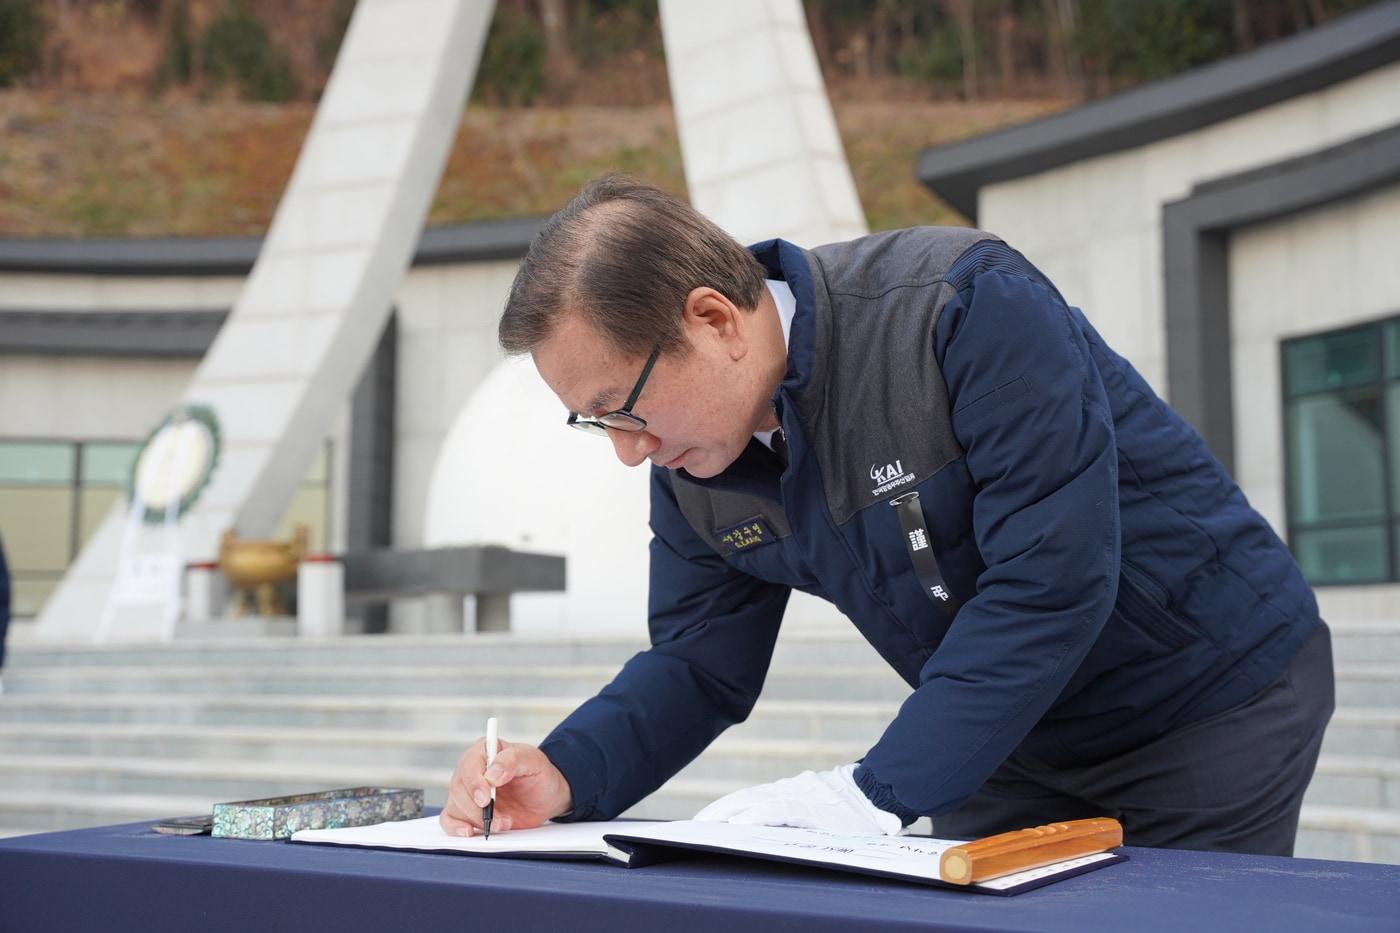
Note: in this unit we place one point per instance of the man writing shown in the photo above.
(918, 428)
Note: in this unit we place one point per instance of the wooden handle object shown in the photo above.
(1024, 849)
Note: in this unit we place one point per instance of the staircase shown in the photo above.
(103, 734)
(1352, 810)
(108, 734)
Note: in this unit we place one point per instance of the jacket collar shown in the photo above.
(758, 470)
(795, 266)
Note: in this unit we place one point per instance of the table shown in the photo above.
(129, 878)
(488, 572)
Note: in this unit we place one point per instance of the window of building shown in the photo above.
(1342, 437)
(54, 494)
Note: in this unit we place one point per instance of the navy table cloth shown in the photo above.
(128, 878)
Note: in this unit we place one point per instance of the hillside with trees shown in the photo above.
(147, 117)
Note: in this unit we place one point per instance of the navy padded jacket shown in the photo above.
(1114, 583)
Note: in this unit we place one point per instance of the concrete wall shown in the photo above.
(22, 291)
(97, 398)
(1095, 226)
(86, 398)
(1320, 270)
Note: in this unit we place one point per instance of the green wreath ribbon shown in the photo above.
(203, 416)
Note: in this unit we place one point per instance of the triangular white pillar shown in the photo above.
(762, 154)
(309, 317)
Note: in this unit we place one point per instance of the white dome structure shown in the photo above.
(511, 473)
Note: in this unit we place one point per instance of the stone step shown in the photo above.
(1353, 834)
(23, 630)
(849, 682)
(380, 680)
(1358, 685)
(221, 780)
(1366, 642)
(1375, 642)
(235, 743)
(486, 649)
(1361, 732)
(730, 758)
(771, 719)
(1368, 685)
(1340, 780)
(352, 650)
(1374, 733)
(44, 795)
(211, 780)
(291, 715)
(1354, 781)
(51, 811)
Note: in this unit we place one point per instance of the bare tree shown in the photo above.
(1061, 20)
(881, 28)
(962, 14)
(1242, 27)
(560, 67)
(1006, 23)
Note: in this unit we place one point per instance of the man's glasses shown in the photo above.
(619, 419)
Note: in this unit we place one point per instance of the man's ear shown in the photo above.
(708, 311)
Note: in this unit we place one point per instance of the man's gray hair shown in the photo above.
(624, 255)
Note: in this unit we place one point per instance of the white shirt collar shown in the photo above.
(787, 309)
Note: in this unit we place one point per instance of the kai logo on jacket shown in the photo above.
(887, 477)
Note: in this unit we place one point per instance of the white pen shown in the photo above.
(491, 744)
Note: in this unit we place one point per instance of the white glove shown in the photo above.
(828, 800)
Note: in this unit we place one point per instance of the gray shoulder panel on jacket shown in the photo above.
(880, 419)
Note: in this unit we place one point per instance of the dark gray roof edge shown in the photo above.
(1358, 152)
(1347, 46)
(486, 239)
(467, 242)
(174, 333)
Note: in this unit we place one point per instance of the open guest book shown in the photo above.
(1011, 863)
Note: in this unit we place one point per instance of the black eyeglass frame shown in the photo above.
(619, 419)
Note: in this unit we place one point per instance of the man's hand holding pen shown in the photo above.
(529, 790)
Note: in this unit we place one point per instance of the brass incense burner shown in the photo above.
(257, 566)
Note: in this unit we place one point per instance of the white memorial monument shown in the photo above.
(319, 294)
(762, 158)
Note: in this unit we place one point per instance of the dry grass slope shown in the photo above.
(116, 165)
